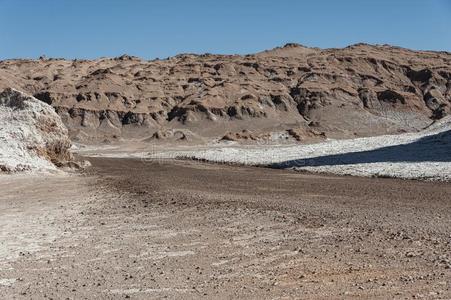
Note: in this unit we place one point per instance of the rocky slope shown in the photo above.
(32, 135)
(360, 90)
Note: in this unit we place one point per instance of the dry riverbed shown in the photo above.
(135, 229)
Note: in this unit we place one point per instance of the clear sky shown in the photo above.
(162, 28)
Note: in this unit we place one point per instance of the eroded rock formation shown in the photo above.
(32, 135)
(355, 91)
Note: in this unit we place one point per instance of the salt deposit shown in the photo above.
(32, 135)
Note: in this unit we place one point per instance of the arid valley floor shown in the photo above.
(139, 229)
(290, 173)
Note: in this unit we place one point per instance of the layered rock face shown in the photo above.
(360, 90)
(32, 135)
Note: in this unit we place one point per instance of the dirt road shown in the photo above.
(140, 230)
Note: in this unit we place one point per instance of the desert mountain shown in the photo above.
(360, 90)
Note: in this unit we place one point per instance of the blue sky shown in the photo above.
(162, 28)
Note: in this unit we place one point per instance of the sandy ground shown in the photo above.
(140, 229)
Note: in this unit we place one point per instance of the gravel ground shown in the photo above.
(135, 229)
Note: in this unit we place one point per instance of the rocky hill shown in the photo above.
(309, 93)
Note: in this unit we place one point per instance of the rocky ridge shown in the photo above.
(360, 90)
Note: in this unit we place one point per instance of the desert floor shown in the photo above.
(138, 229)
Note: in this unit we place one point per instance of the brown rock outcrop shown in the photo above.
(358, 90)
